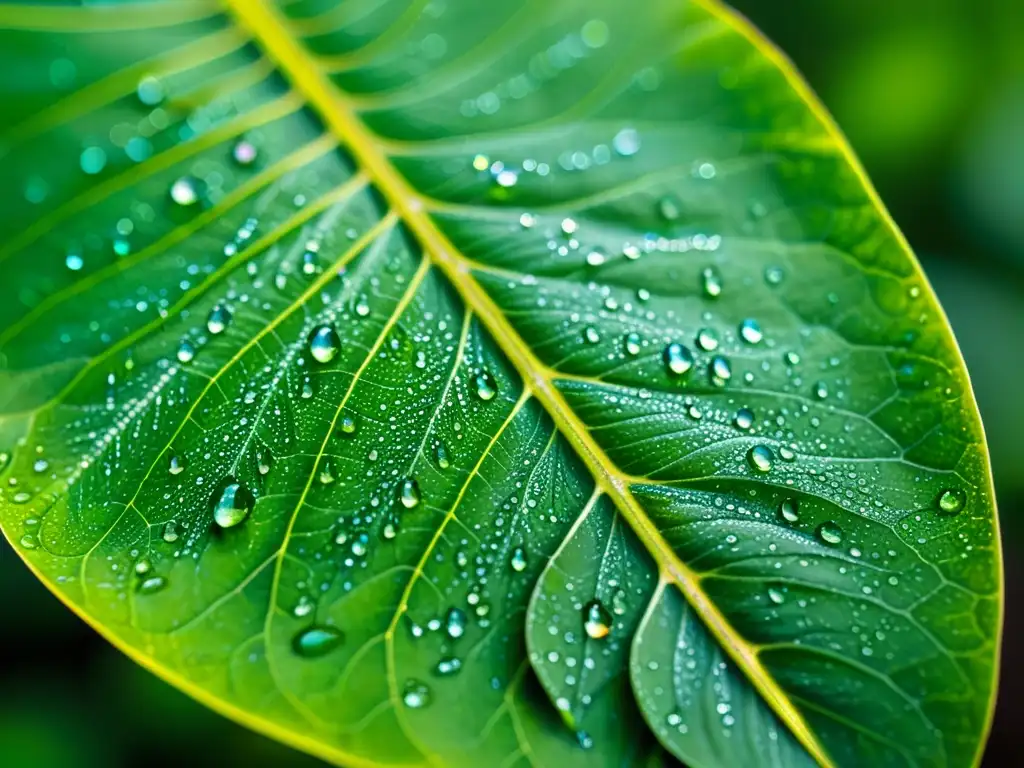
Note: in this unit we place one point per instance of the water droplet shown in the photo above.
(152, 584)
(776, 596)
(184, 192)
(830, 532)
(527, 220)
(28, 541)
(632, 343)
(596, 257)
(415, 694)
(591, 334)
(750, 331)
(177, 464)
(597, 622)
(170, 534)
(360, 544)
(951, 501)
(720, 370)
(347, 425)
(760, 458)
(232, 502)
(317, 641)
(447, 666)
(678, 358)
(74, 262)
(441, 454)
(788, 511)
(712, 283)
(326, 474)
(186, 351)
(821, 390)
(773, 275)
(150, 91)
(584, 739)
(455, 623)
(744, 418)
(363, 306)
(518, 560)
(410, 494)
(244, 152)
(707, 340)
(486, 387)
(264, 461)
(669, 208)
(324, 344)
(218, 319)
(626, 142)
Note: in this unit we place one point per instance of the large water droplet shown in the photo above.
(185, 192)
(788, 511)
(518, 560)
(591, 334)
(707, 340)
(232, 502)
(744, 418)
(177, 464)
(632, 343)
(760, 458)
(410, 494)
(186, 351)
(750, 331)
(317, 641)
(415, 694)
(441, 455)
(830, 532)
(218, 319)
(324, 344)
(152, 584)
(597, 621)
(720, 370)
(776, 596)
(951, 501)
(486, 387)
(678, 358)
(455, 623)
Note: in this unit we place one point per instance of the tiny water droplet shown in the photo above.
(324, 344)
(232, 502)
(678, 358)
(760, 458)
(597, 622)
(317, 641)
(363, 306)
(264, 461)
(830, 532)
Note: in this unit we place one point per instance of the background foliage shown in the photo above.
(931, 95)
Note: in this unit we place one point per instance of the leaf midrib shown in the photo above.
(269, 30)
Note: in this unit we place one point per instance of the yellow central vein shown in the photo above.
(300, 68)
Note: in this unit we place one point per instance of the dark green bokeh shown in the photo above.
(931, 94)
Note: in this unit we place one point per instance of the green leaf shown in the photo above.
(432, 382)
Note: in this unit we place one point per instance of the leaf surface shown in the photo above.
(424, 383)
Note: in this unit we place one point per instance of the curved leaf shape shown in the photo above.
(412, 380)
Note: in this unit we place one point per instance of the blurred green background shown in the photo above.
(931, 95)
